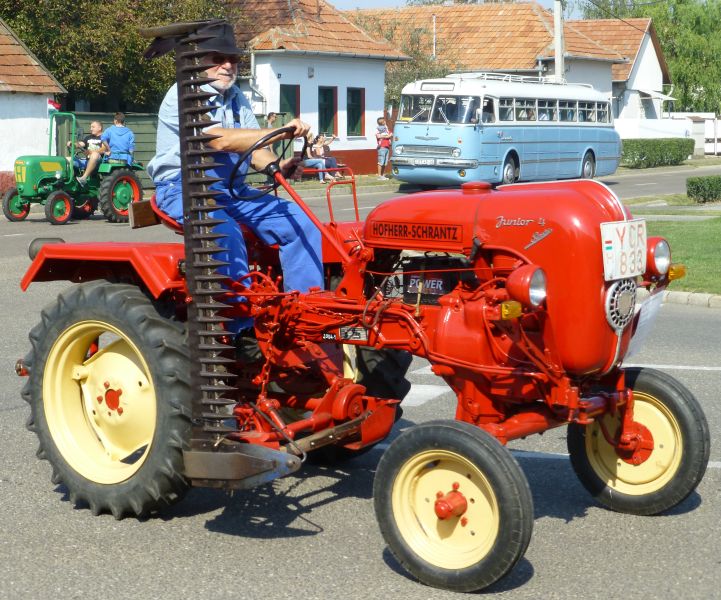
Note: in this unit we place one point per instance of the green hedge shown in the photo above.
(704, 189)
(645, 153)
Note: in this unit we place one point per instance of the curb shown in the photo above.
(686, 298)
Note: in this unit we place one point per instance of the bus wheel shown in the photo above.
(588, 166)
(509, 171)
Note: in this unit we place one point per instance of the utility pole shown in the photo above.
(559, 64)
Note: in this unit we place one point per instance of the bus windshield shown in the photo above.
(446, 109)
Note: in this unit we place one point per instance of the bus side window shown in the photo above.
(506, 109)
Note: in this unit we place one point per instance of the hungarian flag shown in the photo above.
(53, 106)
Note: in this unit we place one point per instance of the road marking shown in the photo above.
(13, 234)
(643, 184)
(424, 371)
(713, 464)
(420, 394)
(675, 367)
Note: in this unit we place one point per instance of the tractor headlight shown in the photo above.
(398, 149)
(456, 152)
(527, 284)
(58, 175)
(658, 256)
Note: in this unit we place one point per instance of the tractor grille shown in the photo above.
(620, 303)
(427, 150)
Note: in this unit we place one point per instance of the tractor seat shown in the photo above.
(164, 218)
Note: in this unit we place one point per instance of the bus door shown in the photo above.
(549, 166)
(488, 156)
(569, 131)
(527, 133)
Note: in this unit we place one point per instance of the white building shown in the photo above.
(25, 88)
(309, 61)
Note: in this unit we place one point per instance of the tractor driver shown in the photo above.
(272, 219)
(94, 149)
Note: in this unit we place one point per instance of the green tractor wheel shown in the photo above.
(117, 191)
(14, 207)
(58, 207)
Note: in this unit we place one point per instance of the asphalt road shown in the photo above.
(314, 535)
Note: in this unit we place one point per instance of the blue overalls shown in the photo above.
(272, 219)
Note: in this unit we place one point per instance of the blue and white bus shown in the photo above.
(502, 128)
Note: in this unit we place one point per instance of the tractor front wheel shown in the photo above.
(453, 505)
(58, 207)
(670, 458)
(109, 395)
(14, 207)
(118, 190)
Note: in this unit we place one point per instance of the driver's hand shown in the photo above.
(301, 128)
(291, 167)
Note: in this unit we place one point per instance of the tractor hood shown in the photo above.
(556, 225)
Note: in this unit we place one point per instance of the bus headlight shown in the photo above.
(658, 256)
(456, 152)
(527, 284)
(398, 149)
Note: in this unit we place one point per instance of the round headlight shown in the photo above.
(661, 257)
(537, 287)
(456, 152)
(398, 149)
(527, 284)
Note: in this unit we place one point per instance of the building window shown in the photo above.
(327, 110)
(290, 101)
(355, 111)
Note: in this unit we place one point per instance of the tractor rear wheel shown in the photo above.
(118, 190)
(58, 207)
(453, 505)
(14, 207)
(670, 459)
(109, 394)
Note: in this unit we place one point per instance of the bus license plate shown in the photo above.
(624, 249)
(424, 162)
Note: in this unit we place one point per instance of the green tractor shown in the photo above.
(51, 181)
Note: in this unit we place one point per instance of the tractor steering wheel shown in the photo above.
(270, 169)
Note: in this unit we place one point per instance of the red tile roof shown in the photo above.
(625, 37)
(493, 36)
(20, 71)
(311, 26)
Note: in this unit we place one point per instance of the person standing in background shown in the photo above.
(383, 141)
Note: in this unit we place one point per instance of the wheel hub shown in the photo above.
(452, 504)
(635, 445)
(112, 399)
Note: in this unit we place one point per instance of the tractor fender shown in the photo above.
(155, 266)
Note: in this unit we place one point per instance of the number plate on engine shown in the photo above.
(424, 162)
(623, 244)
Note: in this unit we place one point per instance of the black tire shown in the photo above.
(510, 171)
(84, 211)
(118, 190)
(383, 372)
(588, 166)
(13, 209)
(447, 553)
(114, 452)
(676, 464)
(58, 207)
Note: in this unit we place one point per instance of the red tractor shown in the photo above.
(523, 299)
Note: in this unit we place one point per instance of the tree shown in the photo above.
(95, 50)
(415, 42)
(690, 36)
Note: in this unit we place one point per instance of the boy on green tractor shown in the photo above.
(57, 180)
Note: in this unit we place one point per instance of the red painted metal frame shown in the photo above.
(513, 377)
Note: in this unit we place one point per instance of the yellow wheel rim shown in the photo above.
(445, 543)
(100, 408)
(658, 469)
